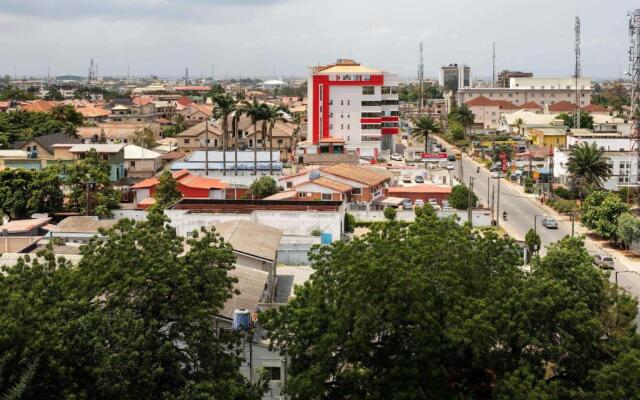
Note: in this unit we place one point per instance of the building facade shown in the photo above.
(504, 77)
(454, 77)
(353, 103)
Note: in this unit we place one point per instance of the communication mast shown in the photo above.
(577, 72)
(634, 74)
(92, 72)
(421, 79)
(493, 73)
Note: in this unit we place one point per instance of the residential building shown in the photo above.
(42, 151)
(189, 185)
(504, 77)
(112, 153)
(273, 84)
(127, 112)
(197, 136)
(544, 91)
(548, 136)
(487, 112)
(424, 192)
(454, 77)
(624, 168)
(26, 227)
(77, 230)
(140, 162)
(196, 113)
(356, 104)
(115, 132)
(93, 113)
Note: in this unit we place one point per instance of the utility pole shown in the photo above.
(494, 65)
(498, 202)
(493, 203)
(470, 202)
(577, 71)
(206, 147)
(634, 72)
(421, 79)
(488, 186)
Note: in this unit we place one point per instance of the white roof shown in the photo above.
(529, 118)
(274, 82)
(13, 153)
(119, 107)
(99, 147)
(133, 152)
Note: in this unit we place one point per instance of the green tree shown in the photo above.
(459, 197)
(54, 94)
(143, 137)
(225, 105)
(272, 115)
(89, 185)
(463, 115)
(67, 114)
(23, 125)
(437, 310)
(588, 167)
(628, 229)
(519, 123)
(167, 191)
(255, 111)
(456, 131)
(586, 120)
(600, 211)
(263, 187)
(46, 194)
(349, 222)
(132, 320)
(532, 241)
(422, 127)
(390, 213)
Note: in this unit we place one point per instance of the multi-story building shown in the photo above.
(354, 106)
(127, 112)
(505, 76)
(455, 77)
(543, 91)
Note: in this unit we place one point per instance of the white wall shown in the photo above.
(346, 107)
(608, 144)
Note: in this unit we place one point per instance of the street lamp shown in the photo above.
(620, 272)
(535, 222)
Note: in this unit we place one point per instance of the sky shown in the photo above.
(281, 38)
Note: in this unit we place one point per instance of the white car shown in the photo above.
(450, 166)
(396, 157)
(496, 174)
(419, 203)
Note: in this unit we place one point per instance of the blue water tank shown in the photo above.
(241, 320)
(325, 238)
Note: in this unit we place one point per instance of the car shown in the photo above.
(396, 157)
(434, 203)
(443, 149)
(496, 174)
(603, 260)
(550, 223)
(438, 145)
(406, 179)
(450, 166)
(419, 203)
(407, 205)
(419, 179)
(451, 158)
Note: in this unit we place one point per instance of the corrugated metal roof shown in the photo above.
(251, 283)
(251, 238)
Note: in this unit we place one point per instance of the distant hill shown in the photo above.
(70, 78)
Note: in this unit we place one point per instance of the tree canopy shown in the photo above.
(588, 167)
(24, 125)
(24, 192)
(263, 187)
(167, 190)
(459, 197)
(600, 211)
(133, 320)
(586, 120)
(437, 310)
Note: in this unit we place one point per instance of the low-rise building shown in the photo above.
(424, 192)
(112, 153)
(26, 227)
(42, 151)
(189, 185)
(140, 162)
(127, 112)
(77, 230)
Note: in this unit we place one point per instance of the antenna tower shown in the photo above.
(493, 73)
(634, 74)
(421, 78)
(577, 71)
(91, 75)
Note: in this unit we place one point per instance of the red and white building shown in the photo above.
(352, 109)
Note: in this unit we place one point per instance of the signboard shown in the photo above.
(434, 156)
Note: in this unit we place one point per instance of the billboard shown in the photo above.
(434, 156)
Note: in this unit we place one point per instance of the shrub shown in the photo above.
(390, 213)
(528, 185)
(628, 229)
(316, 232)
(564, 193)
(600, 212)
(349, 222)
(459, 198)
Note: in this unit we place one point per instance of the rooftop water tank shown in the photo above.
(325, 238)
(315, 174)
(241, 319)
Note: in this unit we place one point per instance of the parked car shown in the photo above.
(496, 174)
(419, 203)
(407, 205)
(396, 157)
(452, 157)
(434, 203)
(443, 149)
(603, 261)
(450, 166)
(419, 179)
(550, 223)
(406, 179)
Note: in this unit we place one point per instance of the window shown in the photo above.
(371, 115)
(325, 196)
(370, 126)
(133, 163)
(370, 103)
(341, 115)
(341, 126)
(280, 141)
(348, 102)
(289, 185)
(368, 90)
(331, 115)
(348, 126)
(385, 90)
(321, 87)
(356, 191)
(394, 90)
(341, 102)
(331, 102)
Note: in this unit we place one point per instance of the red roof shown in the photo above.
(151, 182)
(424, 188)
(200, 182)
(184, 101)
(531, 105)
(562, 106)
(595, 108)
(482, 101)
(141, 101)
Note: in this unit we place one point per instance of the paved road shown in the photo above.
(520, 218)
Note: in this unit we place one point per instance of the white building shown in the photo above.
(273, 84)
(616, 147)
(352, 109)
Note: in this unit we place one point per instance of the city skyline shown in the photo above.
(280, 38)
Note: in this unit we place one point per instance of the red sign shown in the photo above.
(431, 156)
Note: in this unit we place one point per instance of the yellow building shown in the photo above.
(548, 136)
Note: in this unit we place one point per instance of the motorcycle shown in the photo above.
(504, 215)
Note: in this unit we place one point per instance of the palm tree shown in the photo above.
(225, 105)
(588, 167)
(463, 115)
(256, 112)
(273, 114)
(422, 127)
(297, 121)
(519, 123)
(181, 124)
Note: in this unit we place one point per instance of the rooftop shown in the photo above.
(23, 225)
(251, 238)
(356, 173)
(82, 224)
(133, 152)
(423, 188)
(100, 148)
(251, 284)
